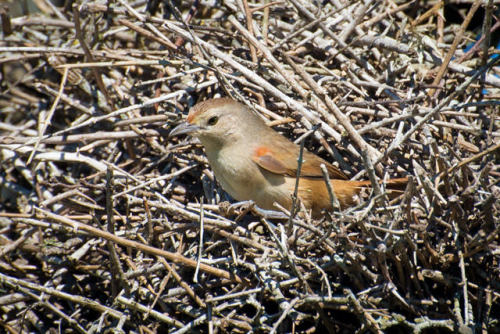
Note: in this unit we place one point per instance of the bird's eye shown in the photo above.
(213, 120)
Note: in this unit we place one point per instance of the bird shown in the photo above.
(253, 162)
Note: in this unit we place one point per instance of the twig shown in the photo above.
(200, 246)
(454, 45)
(175, 257)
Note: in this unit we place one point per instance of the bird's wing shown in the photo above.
(282, 157)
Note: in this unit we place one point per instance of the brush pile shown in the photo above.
(106, 224)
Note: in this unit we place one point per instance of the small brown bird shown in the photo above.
(253, 162)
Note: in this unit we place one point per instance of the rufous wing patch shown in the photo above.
(190, 117)
(265, 159)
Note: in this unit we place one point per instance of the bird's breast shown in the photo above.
(244, 180)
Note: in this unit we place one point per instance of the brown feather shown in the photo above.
(252, 161)
(314, 194)
(282, 158)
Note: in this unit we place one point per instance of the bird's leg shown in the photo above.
(269, 214)
(243, 205)
(246, 206)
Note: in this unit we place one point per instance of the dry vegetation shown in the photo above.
(107, 224)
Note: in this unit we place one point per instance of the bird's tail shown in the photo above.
(346, 190)
(393, 184)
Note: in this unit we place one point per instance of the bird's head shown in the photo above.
(219, 121)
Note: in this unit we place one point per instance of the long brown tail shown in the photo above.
(394, 184)
(346, 190)
(314, 194)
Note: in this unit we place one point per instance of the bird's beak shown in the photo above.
(184, 128)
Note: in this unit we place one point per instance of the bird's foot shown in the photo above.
(269, 214)
(240, 208)
(246, 206)
(242, 204)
